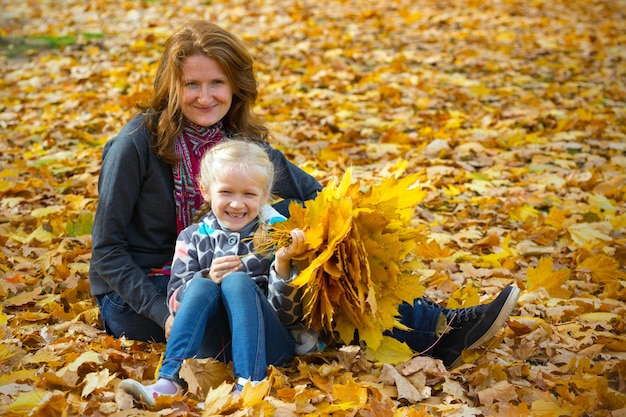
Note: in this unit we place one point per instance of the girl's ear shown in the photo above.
(206, 193)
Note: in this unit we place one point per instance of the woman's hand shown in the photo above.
(220, 267)
(285, 254)
(168, 326)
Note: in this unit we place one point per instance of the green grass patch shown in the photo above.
(14, 46)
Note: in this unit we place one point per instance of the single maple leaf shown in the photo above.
(544, 277)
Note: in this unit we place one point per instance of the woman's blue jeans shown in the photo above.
(421, 317)
(119, 319)
(231, 321)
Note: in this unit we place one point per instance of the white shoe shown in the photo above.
(144, 393)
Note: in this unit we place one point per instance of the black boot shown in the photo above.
(474, 326)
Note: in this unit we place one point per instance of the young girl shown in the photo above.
(229, 303)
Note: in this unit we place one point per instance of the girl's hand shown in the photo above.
(297, 246)
(285, 254)
(220, 267)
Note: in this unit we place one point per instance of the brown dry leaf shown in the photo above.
(502, 391)
(203, 374)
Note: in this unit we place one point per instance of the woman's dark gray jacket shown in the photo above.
(134, 227)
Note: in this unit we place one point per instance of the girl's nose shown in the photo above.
(235, 203)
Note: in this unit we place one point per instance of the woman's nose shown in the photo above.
(205, 94)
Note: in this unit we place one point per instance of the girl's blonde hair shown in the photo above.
(237, 155)
(166, 120)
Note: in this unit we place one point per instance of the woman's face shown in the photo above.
(207, 92)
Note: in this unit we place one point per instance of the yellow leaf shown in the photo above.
(432, 250)
(351, 394)
(480, 90)
(3, 317)
(618, 222)
(21, 375)
(543, 408)
(524, 212)
(603, 268)
(390, 351)
(556, 217)
(465, 296)
(252, 395)
(602, 203)
(493, 259)
(85, 357)
(46, 211)
(451, 190)
(544, 277)
(601, 318)
(26, 402)
(25, 297)
(40, 235)
(96, 380)
(219, 400)
(586, 235)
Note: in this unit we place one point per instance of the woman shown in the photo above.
(204, 90)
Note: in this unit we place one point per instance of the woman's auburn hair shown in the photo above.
(165, 118)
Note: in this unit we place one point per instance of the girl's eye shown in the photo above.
(191, 84)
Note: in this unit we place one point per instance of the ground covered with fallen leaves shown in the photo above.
(515, 112)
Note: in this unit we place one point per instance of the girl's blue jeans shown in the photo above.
(230, 321)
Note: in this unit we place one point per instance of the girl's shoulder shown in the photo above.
(207, 225)
(270, 215)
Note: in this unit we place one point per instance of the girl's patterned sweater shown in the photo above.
(200, 243)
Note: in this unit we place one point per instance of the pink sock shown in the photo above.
(164, 386)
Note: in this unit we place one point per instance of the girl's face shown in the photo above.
(236, 198)
(207, 93)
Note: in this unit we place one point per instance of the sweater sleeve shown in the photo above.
(189, 262)
(292, 183)
(113, 266)
(285, 298)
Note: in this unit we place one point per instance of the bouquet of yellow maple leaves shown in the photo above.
(359, 266)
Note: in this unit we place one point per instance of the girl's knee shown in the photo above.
(237, 282)
(201, 288)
